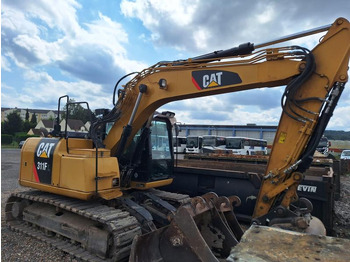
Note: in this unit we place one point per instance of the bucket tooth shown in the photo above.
(225, 207)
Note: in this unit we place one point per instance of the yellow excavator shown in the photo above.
(95, 195)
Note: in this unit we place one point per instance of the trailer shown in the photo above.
(242, 176)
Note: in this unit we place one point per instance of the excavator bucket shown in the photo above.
(204, 229)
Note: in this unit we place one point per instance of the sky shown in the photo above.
(81, 48)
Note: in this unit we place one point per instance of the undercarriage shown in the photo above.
(154, 220)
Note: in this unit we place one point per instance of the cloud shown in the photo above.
(16, 25)
(251, 101)
(22, 39)
(205, 26)
(91, 52)
(91, 64)
(15, 21)
(209, 25)
(57, 53)
(167, 25)
(263, 99)
(47, 42)
(208, 116)
(61, 15)
(33, 50)
(340, 119)
(25, 24)
(236, 115)
(260, 106)
(5, 64)
(40, 90)
(98, 54)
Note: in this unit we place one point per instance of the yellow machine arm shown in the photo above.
(314, 82)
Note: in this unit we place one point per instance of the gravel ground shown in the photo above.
(18, 247)
(342, 209)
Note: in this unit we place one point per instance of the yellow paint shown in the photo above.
(148, 185)
(44, 155)
(57, 190)
(73, 173)
(212, 84)
(110, 194)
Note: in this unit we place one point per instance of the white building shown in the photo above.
(41, 114)
(73, 125)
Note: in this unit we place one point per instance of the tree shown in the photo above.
(3, 127)
(28, 125)
(27, 115)
(33, 120)
(13, 124)
(76, 111)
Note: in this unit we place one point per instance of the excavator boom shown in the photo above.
(314, 79)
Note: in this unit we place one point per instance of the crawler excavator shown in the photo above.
(95, 196)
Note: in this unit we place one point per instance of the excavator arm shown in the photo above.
(314, 81)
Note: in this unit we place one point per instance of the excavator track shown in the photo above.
(93, 231)
(90, 231)
(175, 198)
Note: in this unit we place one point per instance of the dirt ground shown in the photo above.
(16, 246)
(341, 224)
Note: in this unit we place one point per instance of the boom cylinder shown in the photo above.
(128, 128)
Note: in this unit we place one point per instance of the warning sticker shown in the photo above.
(282, 138)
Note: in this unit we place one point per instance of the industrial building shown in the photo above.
(249, 130)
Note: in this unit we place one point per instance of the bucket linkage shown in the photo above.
(204, 229)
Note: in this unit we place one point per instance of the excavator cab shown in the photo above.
(149, 155)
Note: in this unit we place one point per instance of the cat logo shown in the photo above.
(44, 149)
(43, 160)
(204, 79)
(212, 80)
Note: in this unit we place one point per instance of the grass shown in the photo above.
(12, 145)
